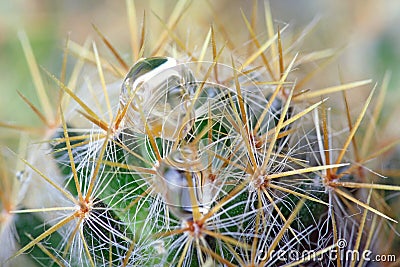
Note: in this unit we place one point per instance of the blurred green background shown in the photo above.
(369, 29)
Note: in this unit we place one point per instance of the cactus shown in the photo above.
(223, 156)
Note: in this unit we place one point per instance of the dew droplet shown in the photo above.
(178, 176)
(158, 91)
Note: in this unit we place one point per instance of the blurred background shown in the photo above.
(367, 29)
